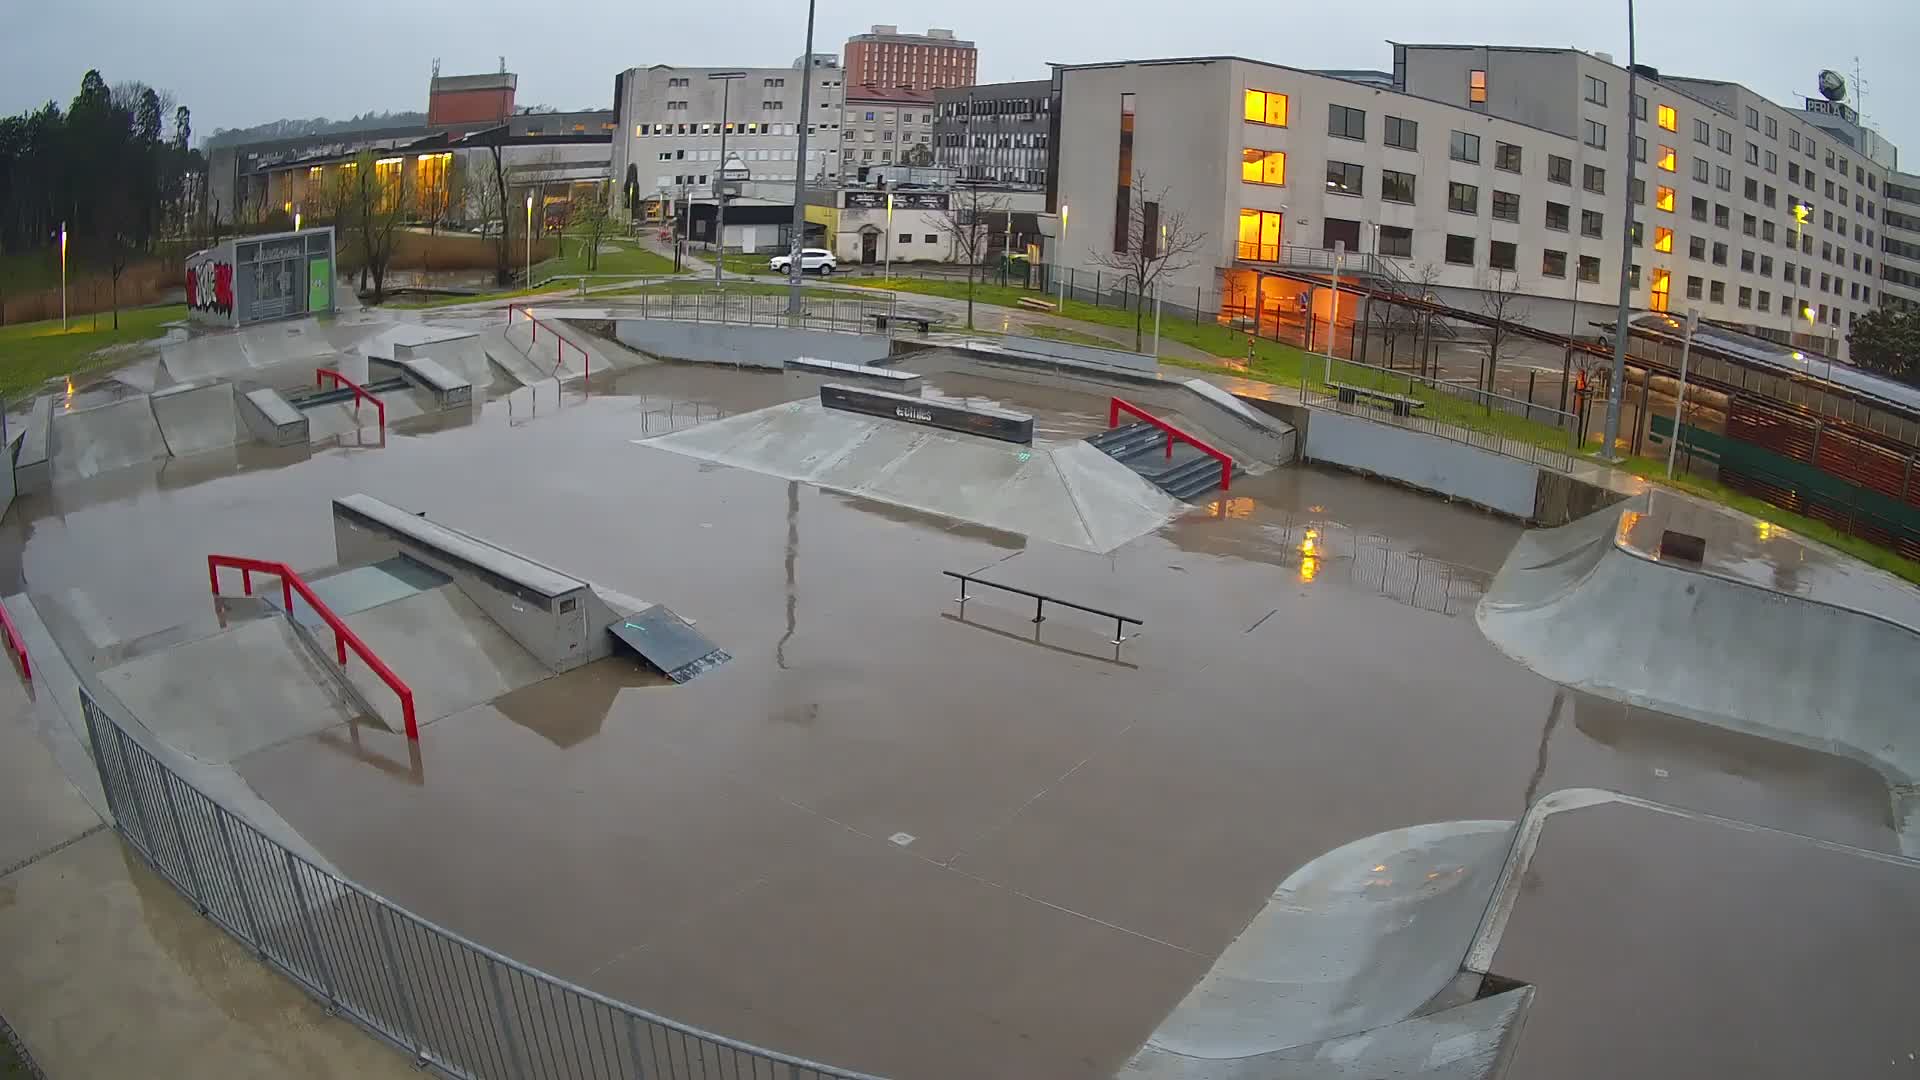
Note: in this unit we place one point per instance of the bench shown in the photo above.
(1037, 304)
(1401, 404)
(881, 319)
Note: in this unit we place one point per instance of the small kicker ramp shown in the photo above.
(668, 642)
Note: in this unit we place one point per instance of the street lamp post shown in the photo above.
(1679, 399)
(63, 277)
(529, 283)
(889, 238)
(1616, 384)
(725, 79)
(798, 239)
(1064, 208)
(1800, 214)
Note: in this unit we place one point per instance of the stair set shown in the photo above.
(1142, 447)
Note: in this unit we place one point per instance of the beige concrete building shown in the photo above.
(883, 127)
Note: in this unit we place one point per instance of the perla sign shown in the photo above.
(1832, 108)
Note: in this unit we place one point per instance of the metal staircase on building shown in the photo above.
(1143, 448)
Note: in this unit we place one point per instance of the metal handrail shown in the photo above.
(1115, 407)
(1041, 600)
(559, 339)
(343, 637)
(17, 643)
(321, 375)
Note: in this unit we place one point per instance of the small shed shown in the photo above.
(251, 279)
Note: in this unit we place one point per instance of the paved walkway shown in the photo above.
(106, 971)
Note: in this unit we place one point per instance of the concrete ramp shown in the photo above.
(93, 441)
(448, 651)
(197, 417)
(1065, 493)
(1591, 606)
(1359, 938)
(510, 360)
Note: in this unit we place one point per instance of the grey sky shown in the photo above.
(239, 62)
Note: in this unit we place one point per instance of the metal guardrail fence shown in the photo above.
(457, 1007)
(1322, 548)
(851, 312)
(1481, 435)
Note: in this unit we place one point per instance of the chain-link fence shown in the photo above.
(460, 1009)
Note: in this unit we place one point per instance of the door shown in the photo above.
(869, 248)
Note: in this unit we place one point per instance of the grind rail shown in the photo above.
(560, 343)
(320, 377)
(1040, 602)
(16, 643)
(1116, 406)
(343, 637)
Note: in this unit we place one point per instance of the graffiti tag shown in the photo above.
(210, 287)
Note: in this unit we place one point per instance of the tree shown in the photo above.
(1500, 301)
(919, 154)
(969, 234)
(490, 196)
(1159, 239)
(590, 215)
(379, 201)
(1887, 341)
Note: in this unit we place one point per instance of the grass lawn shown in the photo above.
(738, 288)
(630, 258)
(31, 353)
(413, 302)
(1075, 337)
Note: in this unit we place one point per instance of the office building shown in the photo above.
(1900, 242)
(886, 57)
(997, 133)
(885, 127)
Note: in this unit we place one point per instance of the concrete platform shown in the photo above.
(197, 417)
(445, 648)
(1065, 493)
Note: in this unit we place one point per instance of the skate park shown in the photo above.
(704, 729)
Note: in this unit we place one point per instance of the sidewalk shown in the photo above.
(106, 971)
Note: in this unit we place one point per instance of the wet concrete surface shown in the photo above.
(1667, 945)
(883, 836)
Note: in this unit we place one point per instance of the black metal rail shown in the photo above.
(1040, 602)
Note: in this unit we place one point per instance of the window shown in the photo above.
(1766, 300)
(1717, 292)
(1766, 266)
(1662, 283)
(1723, 178)
(1667, 118)
(1345, 123)
(1829, 189)
(1702, 132)
(1697, 248)
(1793, 140)
(1263, 167)
(1502, 255)
(1702, 170)
(1722, 216)
(1506, 206)
(1638, 190)
(1259, 236)
(1553, 263)
(906, 238)
(1697, 209)
(1404, 134)
(1463, 147)
(1396, 186)
(1719, 253)
(1793, 172)
(1338, 231)
(1263, 107)
(1753, 118)
(1749, 225)
(1769, 197)
(1559, 169)
(1668, 160)
(1344, 178)
(1594, 179)
(1590, 268)
(1753, 154)
(1773, 162)
(1773, 128)
(1750, 189)
(932, 238)
(1746, 261)
(1506, 157)
(1459, 250)
(1595, 135)
(1463, 198)
(1638, 231)
(1663, 239)
(1633, 275)
(1596, 90)
(1639, 107)
(1663, 199)
(1592, 223)
(1639, 148)
(1696, 287)
(1786, 273)
(1723, 141)
(1557, 216)
(1477, 87)
(1397, 241)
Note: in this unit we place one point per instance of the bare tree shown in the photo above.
(380, 201)
(591, 215)
(1421, 286)
(1500, 300)
(1160, 239)
(490, 195)
(968, 230)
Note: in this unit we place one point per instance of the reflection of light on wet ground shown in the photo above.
(1309, 568)
(1237, 507)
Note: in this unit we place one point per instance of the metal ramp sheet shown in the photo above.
(668, 642)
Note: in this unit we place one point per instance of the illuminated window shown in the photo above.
(1663, 239)
(1266, 108)
(1667, 118)
(1662, 288)
(1259, 236)
(1263, 166)
(1663, 199)
(1668, 161)
(1477, 86)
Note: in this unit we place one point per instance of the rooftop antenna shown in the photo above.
(1859, 92)
(503, 65)
(436, 67)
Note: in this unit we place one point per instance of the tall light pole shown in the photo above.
(1800, 213)
(1686, 346)
(889, 236)
(798, 239)
(725, 79)
(529, 239)
(63, 277)
(1615, 385)
(1064, 208)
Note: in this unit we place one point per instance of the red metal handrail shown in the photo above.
(17, 643)
(321, 375)
(1115, 407)
(343, 637)
(559, 340)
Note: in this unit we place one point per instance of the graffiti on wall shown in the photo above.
(210, 286)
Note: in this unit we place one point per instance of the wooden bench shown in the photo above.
(1037, 304)
(881, 319)
(1401, 404)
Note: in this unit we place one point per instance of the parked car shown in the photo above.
(812, 261)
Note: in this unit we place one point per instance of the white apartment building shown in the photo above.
(1900, 242)
(1489, 169)
(669, 127)
(881, 127)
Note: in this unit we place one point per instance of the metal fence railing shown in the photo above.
(460, 1009)
(852, 312)
(1461, 413)
(1322, 549)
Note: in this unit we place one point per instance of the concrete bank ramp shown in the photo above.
(1355, 940)
(448, 652)
(197, 417)
(1066, 493)
(1585, 607)
(210, 354)
(89, 442)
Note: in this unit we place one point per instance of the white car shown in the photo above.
(812, 261)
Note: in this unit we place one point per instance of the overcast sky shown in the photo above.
(242, 62)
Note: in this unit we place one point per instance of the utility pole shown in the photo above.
(1615, 385)
(798, 239)
(725, 79)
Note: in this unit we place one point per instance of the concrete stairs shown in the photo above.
(1188, 473)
